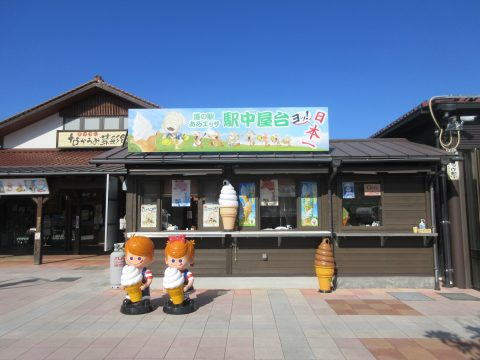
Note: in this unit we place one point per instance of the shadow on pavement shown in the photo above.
(469, 347)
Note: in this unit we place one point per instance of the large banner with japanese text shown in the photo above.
(228, 129)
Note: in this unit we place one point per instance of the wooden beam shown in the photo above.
(37, 245)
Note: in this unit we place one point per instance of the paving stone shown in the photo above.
(460, 296)
(410, 296)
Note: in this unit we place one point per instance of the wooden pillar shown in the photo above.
(37, 245)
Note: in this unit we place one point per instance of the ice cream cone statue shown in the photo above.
(324, 265)
(136, 277)
(228, 202)
(178, 279)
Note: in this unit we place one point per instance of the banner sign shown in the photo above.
(268, 192)
(90, 139)
(180, 193)
(37, 186)
(309, 203)
(228, 129)
(247, 211)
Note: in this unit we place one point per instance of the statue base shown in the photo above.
(187, 307)
(137, 308)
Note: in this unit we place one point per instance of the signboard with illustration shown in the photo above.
(228, 129)
(211, 215)
(148, 216)
(90, 139)
(309, 203)
(37, 186)
(247, 211)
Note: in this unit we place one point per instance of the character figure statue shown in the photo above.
(178, 279)
(136, 277)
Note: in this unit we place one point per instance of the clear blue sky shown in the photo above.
(368, 61)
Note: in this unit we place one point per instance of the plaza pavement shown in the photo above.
(65, 309)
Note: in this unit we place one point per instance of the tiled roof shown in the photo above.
(53, 157)
(59, 162)
(368, 150)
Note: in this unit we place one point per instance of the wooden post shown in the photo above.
(37, 245)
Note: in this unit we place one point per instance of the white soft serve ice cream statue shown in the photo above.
(228, 202)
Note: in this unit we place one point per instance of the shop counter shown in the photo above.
(279, 234)
(426, 237)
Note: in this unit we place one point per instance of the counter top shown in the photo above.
(235, 234)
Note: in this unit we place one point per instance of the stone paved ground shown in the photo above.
(65, 309)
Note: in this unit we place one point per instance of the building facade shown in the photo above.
(451, 123)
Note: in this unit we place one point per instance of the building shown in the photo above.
(44, 156)
(367, 195)
(451, 123)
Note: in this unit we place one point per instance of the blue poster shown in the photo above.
(348, 190)
(247, 211)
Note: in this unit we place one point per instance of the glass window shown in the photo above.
(112, 123)
(278, 207)
(71, 124)
(92, 123)
(361, 204)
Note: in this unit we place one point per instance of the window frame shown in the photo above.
(362, 180)
(123, 121)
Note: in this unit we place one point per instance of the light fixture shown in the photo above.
(455, 123)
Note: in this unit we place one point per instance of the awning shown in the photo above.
(177, 171)
(277, 171)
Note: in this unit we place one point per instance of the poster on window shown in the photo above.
(180, 193)
(247, 212)
(24, 186)
(211, 215)
(268, 192)
(372, 190)
(348, 190)
(308, 203)
(148, 216)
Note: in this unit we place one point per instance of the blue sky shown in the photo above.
(368, 61)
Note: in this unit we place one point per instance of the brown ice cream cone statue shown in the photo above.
(324, 265)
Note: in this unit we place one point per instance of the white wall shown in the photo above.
(40, 135)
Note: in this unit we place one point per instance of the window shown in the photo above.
(95, 123)
(72, 124)
(361, 203)
(91, 123)
(112, 123)
(278, 207)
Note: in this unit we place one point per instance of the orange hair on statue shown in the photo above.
(140, 245)
(178, 246)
